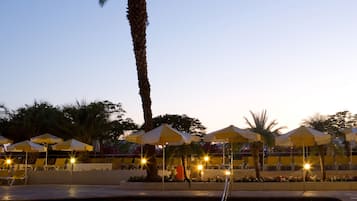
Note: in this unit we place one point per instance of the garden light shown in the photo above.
(206, 159)
(8, 161)
(72, 160)
(307, 166)
(199, 167)
(143, 161)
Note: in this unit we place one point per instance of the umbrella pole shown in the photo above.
(223, 161)
(303, 161)
(163, 167)
(351, 164)
(46, 146)
(26, 167)
(141, 156)
(232, 168)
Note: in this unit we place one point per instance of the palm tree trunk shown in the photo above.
(137, 16)
(322, 161)
(184, 170)
(255, 153)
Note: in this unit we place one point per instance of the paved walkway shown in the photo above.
(63, 192)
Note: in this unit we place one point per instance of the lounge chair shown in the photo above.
(11, 177)
(39, 164)
(60, 163)
(18, 175)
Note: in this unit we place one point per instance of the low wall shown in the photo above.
(91, 166)
(238, 174)
(99, 177)
(242, 186)
(107, 177)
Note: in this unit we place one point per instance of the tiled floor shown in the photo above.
(62, 192)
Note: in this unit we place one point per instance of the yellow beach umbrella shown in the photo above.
(303, 137)
(232, 134)
(26, 146)
(351, 136)
(4, 140)
(72, 145)
(164, 135)
(135, 137)
(46, 139)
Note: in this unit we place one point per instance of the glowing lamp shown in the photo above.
(307, 166)
(199, 167)
(143, 161)
(206, 159)
(72, 160)
(8, 161)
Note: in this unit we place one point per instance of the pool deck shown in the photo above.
(63, 192)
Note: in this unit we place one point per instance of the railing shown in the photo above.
(226, 188)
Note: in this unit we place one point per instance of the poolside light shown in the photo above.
(143, 161)
(206, 159)
(307, 166)
(200, 167)
(8, 161)
(72, 160)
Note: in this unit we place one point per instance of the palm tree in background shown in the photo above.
(266, 129)
(138, 20)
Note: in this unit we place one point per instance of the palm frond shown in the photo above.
(102, 2)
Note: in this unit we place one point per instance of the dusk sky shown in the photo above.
(212, 60)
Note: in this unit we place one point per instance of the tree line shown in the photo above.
(102, 121)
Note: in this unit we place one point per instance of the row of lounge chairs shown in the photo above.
(9, 177)
(289, 162)
(60, 164)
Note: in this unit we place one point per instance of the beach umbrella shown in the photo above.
(303, 137)
(46, 139)
(351, 136)
(72, 145)
(232, 134)
(4, 140)
(165, 135)
(136, 138)
(26, 146)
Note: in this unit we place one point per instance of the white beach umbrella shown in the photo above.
(351, 136)
(165, 135)
(72, 145)
(26, 146)
(46, 139)
(4, 140)
(136, 138)
(232, 134)
(303, 137)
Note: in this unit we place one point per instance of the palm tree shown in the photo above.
(266, 129)
(138, 20)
